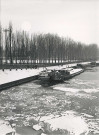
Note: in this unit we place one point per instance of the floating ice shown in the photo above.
(5, 128)
(87, 115)
(73, 90)
(69, 122)
(43, 134)
(37, 127)
(67, 89)
(90, 90)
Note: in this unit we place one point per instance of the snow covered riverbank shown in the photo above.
(7, 76)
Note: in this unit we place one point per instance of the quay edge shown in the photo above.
(17, 82)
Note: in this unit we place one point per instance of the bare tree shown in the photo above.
(1, 46)
(45, 48)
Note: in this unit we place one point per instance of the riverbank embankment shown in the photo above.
(13, 77)
(9, 78)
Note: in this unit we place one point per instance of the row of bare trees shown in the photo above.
(19, 47)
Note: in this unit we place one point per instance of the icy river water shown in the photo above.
(73, 104)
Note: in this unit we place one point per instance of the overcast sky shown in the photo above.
(77, 19)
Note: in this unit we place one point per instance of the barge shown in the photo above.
(58, 75)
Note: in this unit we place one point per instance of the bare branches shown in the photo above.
(44, 48)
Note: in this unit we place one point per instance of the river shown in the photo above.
(77, 98)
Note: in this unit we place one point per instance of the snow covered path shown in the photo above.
(7, 76)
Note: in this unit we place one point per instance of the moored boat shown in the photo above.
(76, 71)
(45, 75)
(59, 74)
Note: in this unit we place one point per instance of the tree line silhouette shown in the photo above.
(19, 47)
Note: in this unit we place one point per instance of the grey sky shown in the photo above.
(78, 19)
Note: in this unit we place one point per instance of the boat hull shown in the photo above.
(44, 78)
(58, 76)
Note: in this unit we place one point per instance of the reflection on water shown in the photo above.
(31, 100)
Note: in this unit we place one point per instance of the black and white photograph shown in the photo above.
(49, 67)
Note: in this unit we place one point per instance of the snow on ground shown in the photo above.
(7, 76)
(13, 75)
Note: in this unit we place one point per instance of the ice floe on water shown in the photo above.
(66, 89)
(30, 86)
(79, 93)
(87, 115)
(6, 128)
(76, 90)
(82, 83)
(69, 122)
(90, 90)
